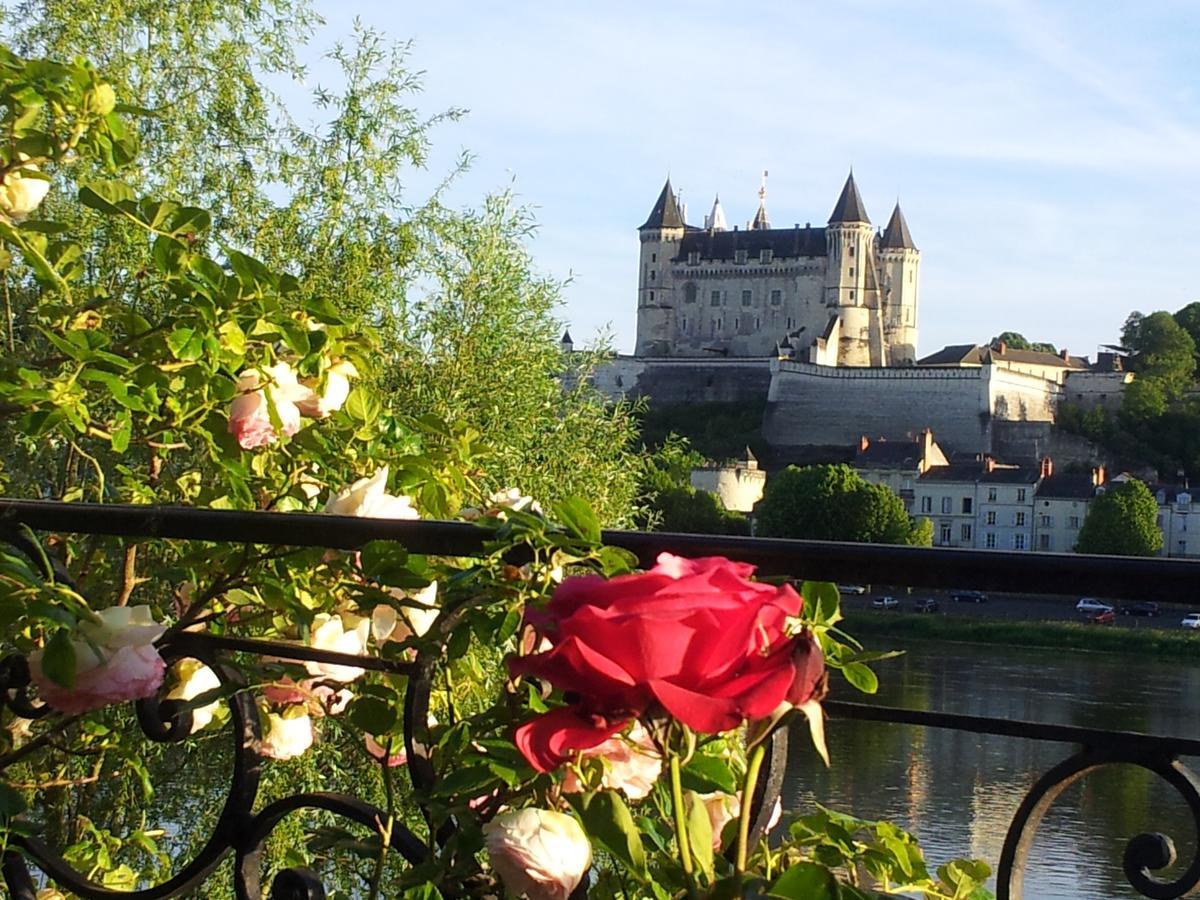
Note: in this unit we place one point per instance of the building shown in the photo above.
(947, 496)
(739, 485)
(1178, 519)
(898, 464)
(840, 295)
(1061, 505)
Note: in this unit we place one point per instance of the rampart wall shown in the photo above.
(672, 381)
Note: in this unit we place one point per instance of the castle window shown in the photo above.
(852, 271)
(653, 257)
(689, 293)
(851, 249)
(694, 258)
(652, 296)
(852, 295)
(716, 298)
(764, 255)
(737, 323)
(653, 274)
(910, 276)
(776, 298)
(684, 328)
(746, 298)
(739, 256)
(757, 323)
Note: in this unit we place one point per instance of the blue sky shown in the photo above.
(1047, 156)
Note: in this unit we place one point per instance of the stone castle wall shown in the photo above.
(673, 381)
(810, 404)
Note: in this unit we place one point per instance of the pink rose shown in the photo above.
(632, 764)
(249, 414)
(539, 854)
(124, 665)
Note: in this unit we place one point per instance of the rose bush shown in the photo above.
(694, 639)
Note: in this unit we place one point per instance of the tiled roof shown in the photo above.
(966, 472)
(849, 206)
(954, 355)
(666, 211)
(1067, 486)
(784, 243)
(892, 454)
(896, 236)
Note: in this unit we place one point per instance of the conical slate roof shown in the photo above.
(760, 222)
(666, 211)
(849, 206)
(896, 236)
(715, 220)
(566, 338)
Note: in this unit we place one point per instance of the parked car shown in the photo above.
(1191, 620)
(1104, 617)
(926, 604)
(968, 597)
(1139, 608)
(885, 603)
(1092, 606)
(852, 588)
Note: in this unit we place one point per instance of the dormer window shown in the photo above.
(739, 256)
(764, 255)
(694, 258)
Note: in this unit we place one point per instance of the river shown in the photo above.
(958, 792)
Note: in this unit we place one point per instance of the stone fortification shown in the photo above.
(669, 382)
(809, 404)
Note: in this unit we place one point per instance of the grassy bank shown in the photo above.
(1147, 641)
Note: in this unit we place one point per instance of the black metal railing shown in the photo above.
(241, 832)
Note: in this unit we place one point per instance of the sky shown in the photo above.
(1046, 156)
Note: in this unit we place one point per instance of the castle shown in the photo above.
(819, 327)
(841, 295)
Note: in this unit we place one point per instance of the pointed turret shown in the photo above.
(849, 206)
(896, 236)
(760, 222)
(666, 211)
(715, 220)
(566, 343)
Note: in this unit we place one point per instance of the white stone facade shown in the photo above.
(706, 291)
(739, 485)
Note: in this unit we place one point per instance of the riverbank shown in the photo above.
(1148, 641)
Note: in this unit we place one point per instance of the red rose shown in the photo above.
(694, 637)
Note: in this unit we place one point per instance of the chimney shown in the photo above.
(863, 443)
(1001, 347)
(1064, 354)
(1098, 476)
(1047, 467)
(926, 444)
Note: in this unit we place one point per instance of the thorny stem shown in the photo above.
(752, 769)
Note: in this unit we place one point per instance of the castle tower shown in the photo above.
(660, 235)
(899, 261)
(715, 220)
(851, 282)
(761, 222)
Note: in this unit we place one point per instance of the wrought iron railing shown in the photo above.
(242, 832)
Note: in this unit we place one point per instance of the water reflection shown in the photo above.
(958, 792)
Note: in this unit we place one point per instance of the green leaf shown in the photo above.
(187, 344)
(190, 220)
(11, 802)
(363, 405)
(58, 659)
(706, 774)
(822, 602)
(606, 818)
(469, 782)
(122, 433)
(577, 515)
(805, 881)
(700, 834)
(372, 714)
(106, 196)
(861, 677)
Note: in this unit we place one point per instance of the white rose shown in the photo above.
(368, 498)
(539, 854)
(337, 390)
(344, 633)
(632, 764)
(288, 735)
(193, 679)
(21, 195)
(391, 624)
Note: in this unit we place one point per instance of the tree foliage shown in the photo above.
(1122, 521)
(1188, 318)
(834, 503)
(1014, 340)
(1162, 350)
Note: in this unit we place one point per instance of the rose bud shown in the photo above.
(539, 854)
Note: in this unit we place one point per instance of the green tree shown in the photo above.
(1163, 350)
(689, 511)
(1122, 521)
(1017, 341)
(834, 503)
(1188, 319)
